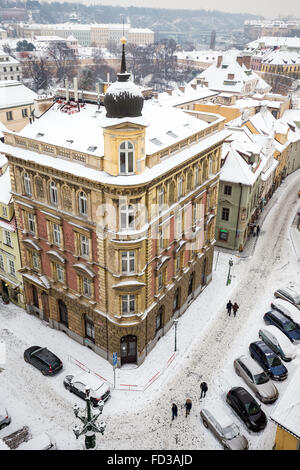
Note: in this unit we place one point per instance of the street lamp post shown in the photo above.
(175, 324)
(88, 418)
(230, 262)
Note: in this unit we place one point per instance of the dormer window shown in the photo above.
(126, 158)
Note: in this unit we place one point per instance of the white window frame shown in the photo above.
(27, 184)
(179, 187)
(53, 193)
(161, 199)
(11, 267)
(84, 246)
(128, 262)
(160, 280)
(128, 151)
(128, 304)
(7, 238)
(127, 211)
(196, 177)
(179, 228)
(82, 203)
(86, 287)
(60, 273)
(31, 223)
(35, 260)
(56, 234)
(2, 268)
(4, 211)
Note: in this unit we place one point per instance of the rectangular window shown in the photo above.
(56, 234)
(35, 261)
(179, 225)
(60, 273)
(7, 238)
(87, 287)
(160, 280)
(24, 113)
(196, 177)
(179, 188)
(84, 245)
(128, 304)
(4, 211)
(225, 213)
(227, 190)
(11, 267)
(9, 116)
(1, 263)
(128, 262)
(31, 223)
(177, 266)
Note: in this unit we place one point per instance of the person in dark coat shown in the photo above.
(235, 308)
(229, 307)
(257, 230)
(204, 388)
(188, 407)
(174, 411)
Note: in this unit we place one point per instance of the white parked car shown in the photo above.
(223, 427)
(278, 342)
(290, 295)
(5, 419)
(41, 442)
(77, 384)
(287, 308)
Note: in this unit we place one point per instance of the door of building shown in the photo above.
(128, 349)
(35, 297)
(63, 313)
(45, 303)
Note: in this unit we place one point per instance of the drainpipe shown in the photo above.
(238, 217)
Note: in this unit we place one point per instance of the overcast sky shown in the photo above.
(267, 8)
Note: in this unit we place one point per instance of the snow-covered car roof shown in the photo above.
(88, 379)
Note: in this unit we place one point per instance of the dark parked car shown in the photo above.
(284, 323)
(247, 408)
(268, 360)
(43, 359)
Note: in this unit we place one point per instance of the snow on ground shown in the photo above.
(208, 342)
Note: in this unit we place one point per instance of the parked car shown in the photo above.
(247, 408)
(285, 324)
(290, 295)
(41, 442)
(268, 360)
(256, 378)
(278, 342)
(43, 359)
(286, 308)
(5, 419)
(77, 384)
(222, 426)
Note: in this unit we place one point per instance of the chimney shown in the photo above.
(194, 85)
(155, 95)
(239, 60)
(67, 90)
(219, 61)
(247, 61)
(182, 88)
(169, 91)
(75, 89)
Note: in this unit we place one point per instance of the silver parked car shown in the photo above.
(256, 379)
(222, 426)
(278, 342)
(290, 295)
(5, 419)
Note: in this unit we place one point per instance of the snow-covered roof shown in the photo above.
(189, 95)
(274, 41)
(287, 412)
(5, 184)
(14, 93)
(279, 57)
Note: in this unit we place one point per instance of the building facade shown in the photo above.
(16, 104)
(117, 227)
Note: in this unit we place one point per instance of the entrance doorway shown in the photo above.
(128, 349)
(63, 313)
(35, 297)
(45, 303)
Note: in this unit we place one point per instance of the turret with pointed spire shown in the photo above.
(123, 98)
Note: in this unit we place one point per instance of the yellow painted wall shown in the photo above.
(18, 121)
(285, 441)
(228, 112)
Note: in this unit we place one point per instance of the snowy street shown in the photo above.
(208, 342)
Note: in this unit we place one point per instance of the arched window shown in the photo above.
(53, 193)
(82, 203)
(127, 216)
(27, 184)
(126, 158)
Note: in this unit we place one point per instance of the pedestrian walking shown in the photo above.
(254, 230)
(174, 411)
(188, 407)
(257, 230)
(229, 306)
(235, 308)
(203, 388)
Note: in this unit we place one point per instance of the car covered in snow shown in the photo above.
(222, 426)
(43, 359)
(78, 383)
(268, 360)
(5, 419)
(284, 324)
(290, 295)
(41, 442)
(256, 379)
(278, 342)
(286, 308)
(247, 408)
